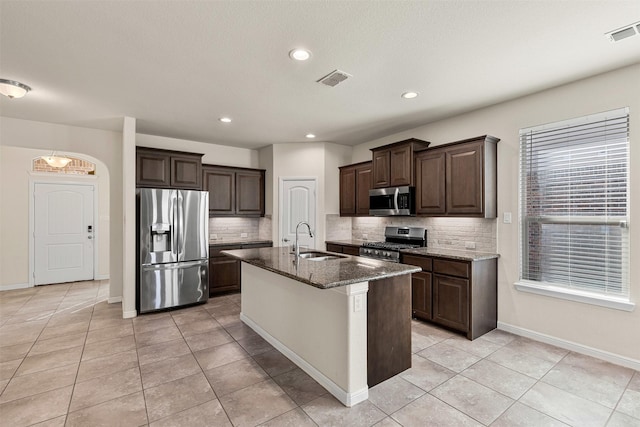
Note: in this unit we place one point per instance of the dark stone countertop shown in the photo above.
(465, 255)
(349, 242)
(321, 274)
(237, 242)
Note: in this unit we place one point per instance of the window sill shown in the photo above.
(550, 290)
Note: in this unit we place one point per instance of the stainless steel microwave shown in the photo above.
(392, 201)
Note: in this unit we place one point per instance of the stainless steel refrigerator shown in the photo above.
(173, 248)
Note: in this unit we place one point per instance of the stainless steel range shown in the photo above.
(396, 238)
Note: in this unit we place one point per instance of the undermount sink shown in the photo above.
(319, 256)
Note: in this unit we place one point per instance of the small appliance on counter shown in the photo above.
(396, 238)
(172, 248)
(392, 201)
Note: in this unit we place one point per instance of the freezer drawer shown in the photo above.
(172, 285)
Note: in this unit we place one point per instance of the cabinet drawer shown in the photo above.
(420, 261)
(451, 268)
(351, 250)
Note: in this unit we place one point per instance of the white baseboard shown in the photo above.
(129, 314)
(572, 346)
(15, 286)
(347, 399)
(113, 300)
(101, 277)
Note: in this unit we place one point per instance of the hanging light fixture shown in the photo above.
(13, 89)
(56, 161)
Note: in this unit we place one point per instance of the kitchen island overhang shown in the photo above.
(345, 322)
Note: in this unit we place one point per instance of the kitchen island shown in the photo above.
(345, 321)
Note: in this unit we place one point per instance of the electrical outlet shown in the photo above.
(213, 237)
(506, 217)
(365, 236)
(470, 245)
(243, 234)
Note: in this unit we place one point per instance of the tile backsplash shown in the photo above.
(449, 233)
(232, 228)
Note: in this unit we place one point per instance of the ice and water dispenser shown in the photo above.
(160, 238)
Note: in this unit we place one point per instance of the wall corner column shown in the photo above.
(129, 217)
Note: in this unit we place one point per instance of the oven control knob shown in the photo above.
(376, 252)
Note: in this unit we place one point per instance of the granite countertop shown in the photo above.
(237, 242)
(465, 255)
(321, 274)
(352, 242)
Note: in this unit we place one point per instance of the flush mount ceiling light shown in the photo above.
(624, 32)
(410, 95)
(13, 89)
(310, 136)
(56, 161)
(225, 119)
(300, 54)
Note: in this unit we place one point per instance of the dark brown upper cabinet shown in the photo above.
(430, 182)
(168, 169)
(355, 183)
(458, 179)
(234, 191)
(393, 163)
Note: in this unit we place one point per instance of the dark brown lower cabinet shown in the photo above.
(421, 295)
(460, 295)
(224, 271)
(451, 302)
(344, 249)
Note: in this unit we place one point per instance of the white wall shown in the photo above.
(594, 328)
(213, 154)
(104, 146)
(311, 159)
(14, 181)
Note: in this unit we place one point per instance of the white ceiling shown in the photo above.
(177, 66)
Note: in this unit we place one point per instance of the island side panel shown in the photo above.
(319, 329)
(389, 328)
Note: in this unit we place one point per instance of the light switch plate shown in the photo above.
(213, 237)
(506, 217)
(243, 234)
(470, 245)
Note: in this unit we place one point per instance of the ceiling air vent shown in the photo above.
(334, 77)
(624, 32)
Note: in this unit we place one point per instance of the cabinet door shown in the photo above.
(381, 172)
(250, 193)
(421, 295)
(222, 191)
(363, 185)
(224, 275)
(347, 192)
(465, 179)
(153, 169)
(401, 166)
(451, 302)
(186, 172)
(430, 183)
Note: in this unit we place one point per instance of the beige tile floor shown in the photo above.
(68, 358)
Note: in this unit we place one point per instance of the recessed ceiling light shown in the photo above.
(300, 54)
(409, 95)
(310, 136)
(225, 119)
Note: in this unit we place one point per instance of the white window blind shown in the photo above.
(573, 195)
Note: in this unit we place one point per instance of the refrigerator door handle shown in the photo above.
(174, 265)
(174, 232)
(180, 225)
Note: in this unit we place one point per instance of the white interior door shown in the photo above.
(63, 233)
(298, 203)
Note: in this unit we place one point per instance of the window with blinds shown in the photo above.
(573, 195)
